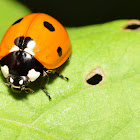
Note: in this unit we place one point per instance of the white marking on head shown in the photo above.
(18, 87)
(33, 75)
(30, 46)
(14, 48)
(21, 82)
(5, 71)
(11, 80)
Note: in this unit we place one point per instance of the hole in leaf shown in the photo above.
(94, 80)
(132, 25)
(95, 77)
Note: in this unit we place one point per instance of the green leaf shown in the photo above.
(109, 110)
(10, 11)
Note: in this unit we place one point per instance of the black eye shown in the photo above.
(49, 26)
(59, 51)
(17, 21)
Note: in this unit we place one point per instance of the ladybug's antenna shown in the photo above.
(27, 89)
(7, 84)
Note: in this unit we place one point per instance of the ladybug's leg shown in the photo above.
(58, 74)
(47, 93)
(45, 79)
(54, 72)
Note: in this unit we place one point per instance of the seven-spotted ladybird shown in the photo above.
(33, 46)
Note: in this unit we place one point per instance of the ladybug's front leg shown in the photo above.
(45, 79)
(47, 93)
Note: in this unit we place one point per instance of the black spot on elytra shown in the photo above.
(19, 20)
(22, 42)
(94, 80)
(27, 39)
(59, 51)
(49, 26)
(19, 41)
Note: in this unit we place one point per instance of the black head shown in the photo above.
(18, 83)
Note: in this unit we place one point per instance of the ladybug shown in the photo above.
(34, 46)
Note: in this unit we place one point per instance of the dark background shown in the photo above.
(86, 12)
